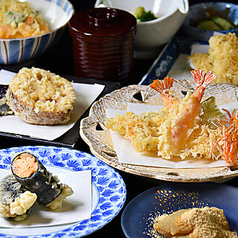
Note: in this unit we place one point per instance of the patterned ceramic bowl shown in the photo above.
(200, 11)
(55, 12)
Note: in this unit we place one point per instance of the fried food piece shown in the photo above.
(33, 176)
(41, 97)
(201, 61)
(222, 58)
(142, 130)
(15, 201)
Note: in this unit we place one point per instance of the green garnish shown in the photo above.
(142, 15)
(210, 109)
(13, 18)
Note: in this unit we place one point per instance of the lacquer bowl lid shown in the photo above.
(102, 22)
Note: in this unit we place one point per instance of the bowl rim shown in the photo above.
(211, 3)
(99, 3)
(48, 33)
(186, 25)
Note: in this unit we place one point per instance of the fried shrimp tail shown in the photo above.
(163, 87)
(202, 80)
(181, 124)
(229, 126)
(191, 109)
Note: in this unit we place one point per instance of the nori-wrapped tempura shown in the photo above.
(4, 108)
(15, 200)
(30, 172)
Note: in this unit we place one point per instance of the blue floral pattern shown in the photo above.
(108, 183)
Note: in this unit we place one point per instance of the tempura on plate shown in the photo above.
(221, 58)
(183, 127)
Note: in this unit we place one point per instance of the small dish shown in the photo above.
(138, 217)
(201, 11)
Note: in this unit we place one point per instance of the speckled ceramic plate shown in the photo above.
(108, 190)
(139, 215)
(97, 136)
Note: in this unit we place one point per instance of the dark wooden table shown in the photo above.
(60, 61)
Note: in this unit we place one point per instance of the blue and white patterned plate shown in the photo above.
(108, 190)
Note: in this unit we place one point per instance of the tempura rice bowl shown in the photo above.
(57, 14)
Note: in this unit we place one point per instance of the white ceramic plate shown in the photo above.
(101, 145)
(108, 190)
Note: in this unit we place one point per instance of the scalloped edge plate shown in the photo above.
(100, 142)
